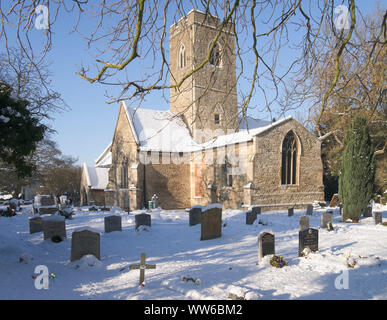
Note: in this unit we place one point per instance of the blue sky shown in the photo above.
(87, 128)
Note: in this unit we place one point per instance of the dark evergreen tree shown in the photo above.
(357, 172)
(20, 131)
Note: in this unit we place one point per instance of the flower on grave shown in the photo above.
(278, 261)
(52, 275)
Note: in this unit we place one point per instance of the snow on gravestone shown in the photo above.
(113, 223)
(85, 241)
(304, 223)
(251, 214)
(195, 215)
(266, 245)
(325, 219)
(36, 224)
(54, 226)
(307, 238)
(142, 219)
(211, 222)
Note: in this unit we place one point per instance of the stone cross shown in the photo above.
(142, 266)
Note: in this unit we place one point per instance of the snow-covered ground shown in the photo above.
(222, 266)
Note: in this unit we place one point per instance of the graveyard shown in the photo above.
(166, 254)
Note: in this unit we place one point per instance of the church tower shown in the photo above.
(208, 98)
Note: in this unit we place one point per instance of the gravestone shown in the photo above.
(142, 219)
(266, 245)
(307, 238)
(309, 210)
(290, 212)
(54, 226)
(195, 215)
(113, 223)
(250, 216)
(368, 212)
(211, 227)
(383, 201)
(304, 223)
(36, 224)
(256, 209)
(84, 242)
(325, 219)
(378, 217)
(335, 201)
(104, 208)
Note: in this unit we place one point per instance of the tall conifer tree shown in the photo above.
(357, 172)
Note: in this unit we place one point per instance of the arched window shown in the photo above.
(182, 58)
(289, 159)
(215, 56)
(124, 174)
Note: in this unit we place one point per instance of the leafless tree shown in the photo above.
(135, 32)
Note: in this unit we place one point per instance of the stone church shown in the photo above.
(199, 152)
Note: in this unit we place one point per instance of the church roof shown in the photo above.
(105, 158)
(156, 130)
(97, 178)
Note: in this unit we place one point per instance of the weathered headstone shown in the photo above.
(211, 226)
(290, 212)
(378, 217)
(84, 242)
(142, 219)
(307, 238)
(113, 223)
(309, 210)
(368, 212)
(36, 224)
(304, 222)
(266, 245)
(195, 215)
(250, 216)
(335, 201)
(54, 226)
(325, 219)
(142, 266)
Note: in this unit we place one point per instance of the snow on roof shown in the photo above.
(240, 136)
(165, 131)
(96, 177)
(105, 158)
(157, 130)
